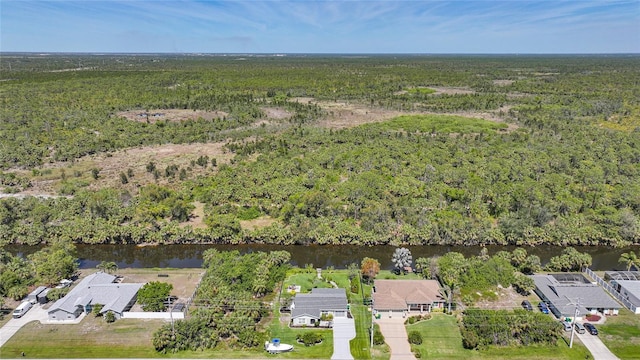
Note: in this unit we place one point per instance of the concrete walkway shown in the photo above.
(598, 350)
(343, 331)
(36, 313)
(395, 335)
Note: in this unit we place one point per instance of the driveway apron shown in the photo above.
(343, 331)
(598, 350)
(36, 313)
(395, 335)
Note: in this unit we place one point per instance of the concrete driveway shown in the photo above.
(395, 335)
(343, 331)
(37, 313)
(598, 350)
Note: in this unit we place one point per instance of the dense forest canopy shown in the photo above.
(364, 150)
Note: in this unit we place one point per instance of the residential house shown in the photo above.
(98, 288)
(397, 297)
(308, 309)
(565, 293)
(627, 284)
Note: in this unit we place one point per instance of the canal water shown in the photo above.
(190, 256)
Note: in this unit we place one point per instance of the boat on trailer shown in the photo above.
(276, 347)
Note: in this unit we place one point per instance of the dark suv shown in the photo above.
(526, 305)
(590, 328)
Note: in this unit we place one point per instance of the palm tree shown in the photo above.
(630, 259)
(401, 258)
(108, 267)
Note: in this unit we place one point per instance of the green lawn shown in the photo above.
(288, 335)
(91, 338)
(438, 123)
(442, 340)
(621, 334)
(388, 274)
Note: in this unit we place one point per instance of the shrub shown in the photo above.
(310, 338)
(378, 338)
(56, 294)
(415, 337)
(96, 309)
(109, 317)
(355, 285)
(414, 319)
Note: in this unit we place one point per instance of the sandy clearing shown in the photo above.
(276, 113)
(136, 159)
(153, 115)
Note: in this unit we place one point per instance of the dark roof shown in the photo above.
(319, 300)
(562, 295)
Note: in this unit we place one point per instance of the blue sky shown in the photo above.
(321, 26)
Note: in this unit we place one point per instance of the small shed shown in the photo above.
(33, 296)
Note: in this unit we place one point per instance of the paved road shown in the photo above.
(598, 350)
(395, 335)
(37, 313)
(343, 331)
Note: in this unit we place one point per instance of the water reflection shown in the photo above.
(190, 256)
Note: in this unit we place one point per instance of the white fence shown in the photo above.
(153, 315)
(612, 291)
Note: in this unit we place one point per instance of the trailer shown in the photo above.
(42, 297)
(33, 296)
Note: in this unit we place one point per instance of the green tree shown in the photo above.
(55, 262)
(423, 266)
(523, 283)
(630, 259)
(152, 295)
(109, 267)
(451, 266)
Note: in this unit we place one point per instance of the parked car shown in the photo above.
(590, 328)
(22, 309)
(579, 328)
(543, 307)
(566, 324)
(527, 305)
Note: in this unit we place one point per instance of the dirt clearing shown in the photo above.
(152, 116)
(112, 165)
(184, 281)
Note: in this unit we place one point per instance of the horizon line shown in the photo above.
(44, 53)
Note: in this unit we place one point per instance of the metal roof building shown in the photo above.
(307, 309)
(98, 288)
(562, 291)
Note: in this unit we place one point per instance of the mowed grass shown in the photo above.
(621, 334)
(93, 337)
(288, 335)
(448, 124)
(442, 340)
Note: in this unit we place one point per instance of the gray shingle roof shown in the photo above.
(562, 295)
(319, 300)
(98, 288)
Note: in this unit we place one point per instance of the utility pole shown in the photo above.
(575, 315)
(372, 322)
(173, 330)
